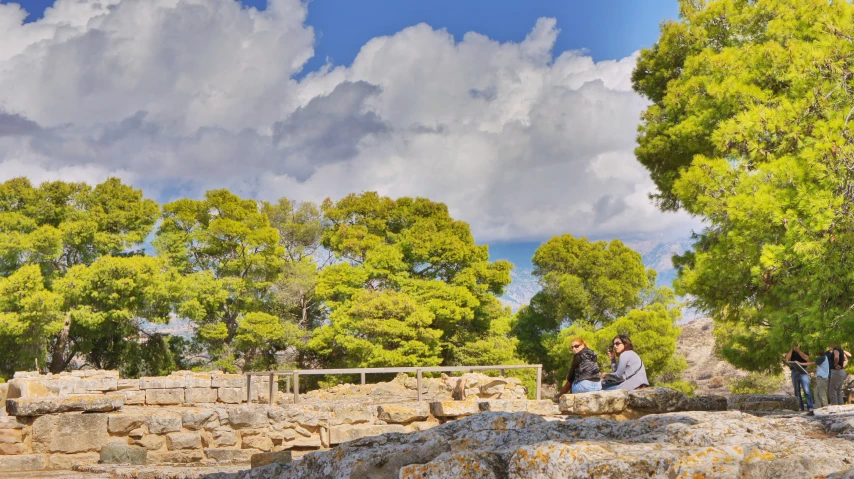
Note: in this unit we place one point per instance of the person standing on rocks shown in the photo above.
(837, 358)
(822, 375)
(630, 371)
(800, 381)
(583, 376)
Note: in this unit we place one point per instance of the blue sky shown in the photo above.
(607, 29)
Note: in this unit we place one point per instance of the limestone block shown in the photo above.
(57, 404)
(766, 402)
(70, 433)
(193, 380)
(305, 417)
(200, 395)
(257, 441)
(156, 382)
(150, 442)
(24, 462)
(100, 384)
(234, 381)
(133, 396)
(183, 440)
(127, 384)
(403, 413)
(124, 423)
(656, 400)
(595, 403)
(422, 425)
(543, 407)
(267, 458)
(504, 405)
(248, 417)
(454, 408)
(27, 387)
(342, 434)
(706, 403)
(200, 419)
(231, 395)
(224, 437)
(118, 453)
(7, 449)
(10, 436)
(137, 433)
(230, 455)
(164, 396)
(12, 422)
(302, 441)
(4, 393)
(352, 414)
(187, 456)
(163, 422)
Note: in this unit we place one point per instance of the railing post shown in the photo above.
(539, 380)
(363, 378)
(248, 389)
(418, 383)
(502, 372)
(287, 384)
(272, 385)
(296, 387)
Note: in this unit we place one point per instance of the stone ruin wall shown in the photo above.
(59, 421)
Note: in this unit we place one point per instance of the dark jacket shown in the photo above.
(584, 367)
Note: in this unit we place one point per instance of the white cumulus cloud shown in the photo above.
(178, 96)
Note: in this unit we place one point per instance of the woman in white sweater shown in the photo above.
(630, 368)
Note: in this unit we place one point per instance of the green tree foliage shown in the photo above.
(230, 256)
(411, 286)
(59, 228)
(585, 284)
(749, 129)
(757, 383)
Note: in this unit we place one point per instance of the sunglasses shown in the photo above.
(576, 346)
(617, 343)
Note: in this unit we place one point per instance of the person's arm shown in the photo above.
(789, 355)
(836, 359)
(566, 388)
(569, 376)
(803, 354)
(620, 368)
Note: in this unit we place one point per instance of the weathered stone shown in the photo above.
(176, 457)
(24, 462)
(10, 436)
(762, 403)
(403, 413)
(163, 422)
(454, 408)
(70, 433)
(231, 395)
(157, 382)
(150, 442)
(233, 381)
(304, 417)
(200, 395)
(199, 419)
(12, 422)
(543, 408)
(266, 458)
(594, 404)
(127, 384)
(8, 449)
(183, 440)
(503, 405)
(240, 456)
(119, 453)
(342, 434)
(305, 442)
(224, 437)
(422, 425)
(137, 433)
(124, 423)
(352, 414)
(133, 396)
(248, 416)
(52, 405)
(193, 380)
(164, 396)
(100, 384)
(257, 441)
(706, 403)
(656, 400)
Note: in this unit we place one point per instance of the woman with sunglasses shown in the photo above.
(583, 374)
(630, 369)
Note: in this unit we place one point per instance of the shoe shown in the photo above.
(811, 413)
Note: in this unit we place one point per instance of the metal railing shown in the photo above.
(293, 375)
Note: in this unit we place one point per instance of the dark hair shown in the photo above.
(627, 343)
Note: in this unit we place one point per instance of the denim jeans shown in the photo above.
(611, 388)
(586, 387)
(799, 382)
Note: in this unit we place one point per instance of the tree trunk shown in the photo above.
(58, 362)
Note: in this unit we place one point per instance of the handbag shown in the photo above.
(611, 379)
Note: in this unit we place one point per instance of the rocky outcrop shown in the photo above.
(725, 444)
(622, 405)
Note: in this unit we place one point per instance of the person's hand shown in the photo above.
(611, 354)
(557, 396)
